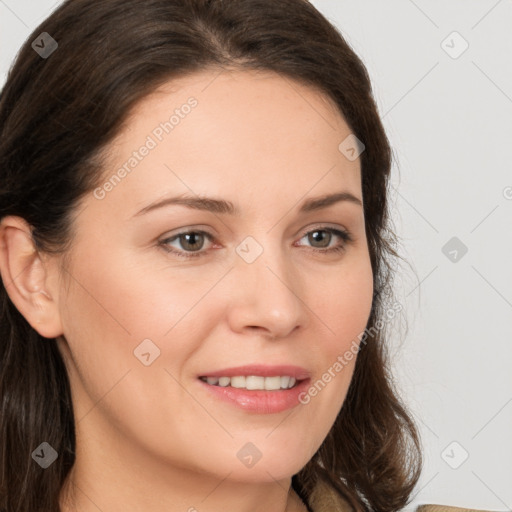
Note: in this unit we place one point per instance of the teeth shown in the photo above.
(238, 382)
(224, 381)
(253, 382)
(272, 382)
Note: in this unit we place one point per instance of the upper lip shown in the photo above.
(261, 369)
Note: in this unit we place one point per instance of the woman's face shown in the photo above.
(264, 286)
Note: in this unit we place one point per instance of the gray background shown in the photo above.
(448, 115)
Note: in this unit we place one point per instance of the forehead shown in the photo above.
(231, 132)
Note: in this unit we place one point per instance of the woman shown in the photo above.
(171, 336)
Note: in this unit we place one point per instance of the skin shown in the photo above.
(150, 437)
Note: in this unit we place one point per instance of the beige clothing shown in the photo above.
(325, 499)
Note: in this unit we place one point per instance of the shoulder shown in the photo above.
(446, 508)
(325, 499)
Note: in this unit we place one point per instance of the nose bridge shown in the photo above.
(268, 288)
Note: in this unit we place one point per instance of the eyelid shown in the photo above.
(323, 225)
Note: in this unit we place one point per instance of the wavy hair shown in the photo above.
(58, 114)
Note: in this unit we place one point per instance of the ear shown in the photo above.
(25, 277)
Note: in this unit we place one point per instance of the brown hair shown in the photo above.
(58, 113)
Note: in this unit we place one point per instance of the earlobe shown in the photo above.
(24, 276)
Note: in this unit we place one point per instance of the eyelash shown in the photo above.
(345, 235)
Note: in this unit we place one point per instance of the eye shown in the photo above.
(191, 243)
(323, 236)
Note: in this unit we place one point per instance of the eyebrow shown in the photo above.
(215, 205)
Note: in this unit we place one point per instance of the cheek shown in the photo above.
(114, 306)
(107, 312)
(343, 303)
(128, 300)
(106, 316)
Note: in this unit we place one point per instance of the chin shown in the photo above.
(277, 465)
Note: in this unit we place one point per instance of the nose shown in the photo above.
(266, 296)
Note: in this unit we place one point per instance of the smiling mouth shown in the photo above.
(254, 382)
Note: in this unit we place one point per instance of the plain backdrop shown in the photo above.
(442, 78)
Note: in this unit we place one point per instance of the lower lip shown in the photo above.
(259, 400)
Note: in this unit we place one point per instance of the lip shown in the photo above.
(259, 401)
(263, 370)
